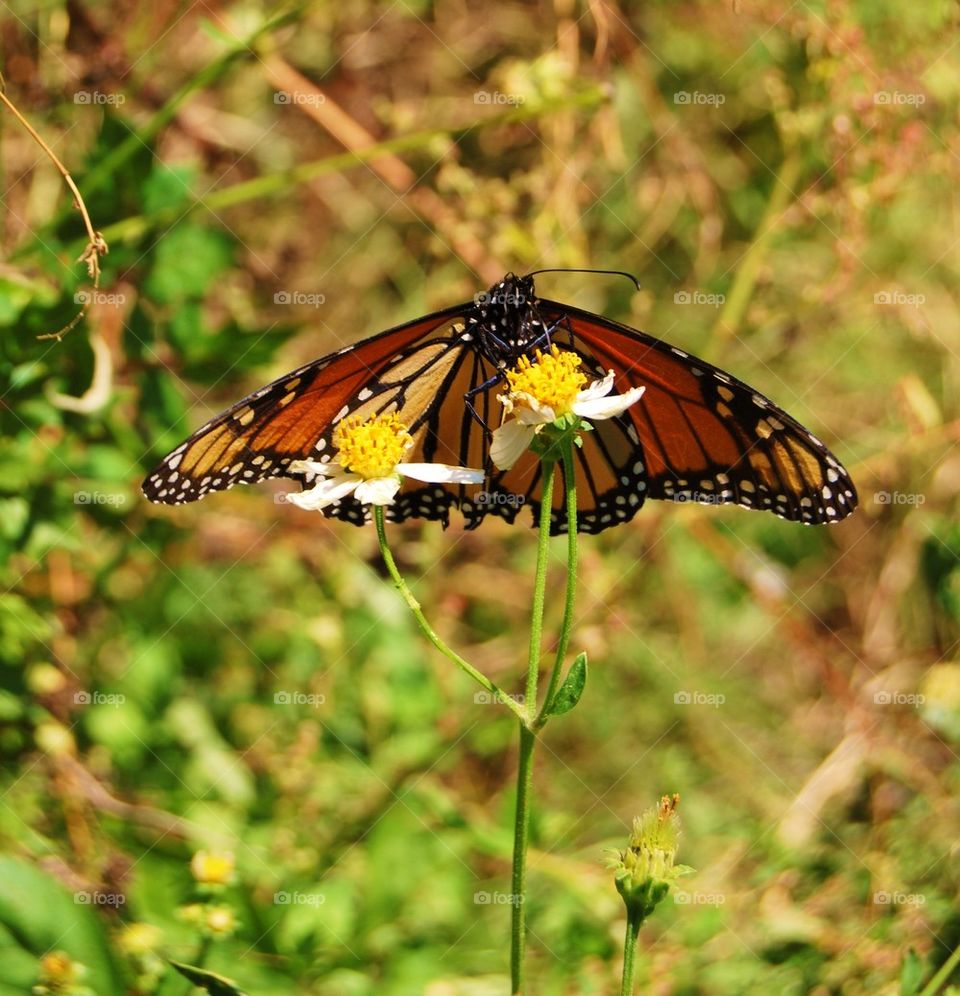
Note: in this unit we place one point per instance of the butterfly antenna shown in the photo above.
(568, 269)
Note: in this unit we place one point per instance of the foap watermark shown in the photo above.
(299, 699)
(309, 98)
(899, 899)
(899, 498)
(698, 97)
(499, 297)
(887, 697)
(299, 899)
(899, 297)
(697, 498)
(96, 898)
(898, 97)
(496, 97)
(299, 298)
(93, 296)
(98, 698)
(715, 699)
(497, 899)
(699, 898)
(99, 498)
(698, 297)
(99, 97)
(499, 498)
(494, 698)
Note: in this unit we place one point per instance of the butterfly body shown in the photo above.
(697, 435)
(505, 322)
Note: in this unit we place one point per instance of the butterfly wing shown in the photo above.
(698, 434)
(404, 369)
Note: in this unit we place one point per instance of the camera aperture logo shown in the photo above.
(500, 298)
(494, 698)
(499, 498)
(887, 697)
(899, 899)
(307, 99)
(899, 498)
(497, 899)
(299, 898)
(697, 97)
(98, 97)
(99, 498)
(496, 97)
(299, 699)
(699, 297)
(300, 298)
(699, 898)
(84, 698)
(96, 898)
(699, 698)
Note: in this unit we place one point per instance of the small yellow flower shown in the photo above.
(549, 389)
(212, 869)
(369, 464)
(371, 448)
(139, 939)
(554, 380)
(60, 975)
(220, 921)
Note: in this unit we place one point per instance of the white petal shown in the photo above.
(441, 472)
(377, 491)
(325, 492)
(608, 407)
(598, 389)
(510, 442)
(315, 467)
(531, 411)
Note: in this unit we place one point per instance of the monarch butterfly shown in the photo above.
(697, 435)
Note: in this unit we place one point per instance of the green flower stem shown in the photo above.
(570, 490)
(521, 824)
(629, 950)
(429, 631)
(933, 986)
(521, 840)
(539, 586)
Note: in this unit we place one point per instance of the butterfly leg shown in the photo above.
(474, 391)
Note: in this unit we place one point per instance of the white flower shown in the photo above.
(368, 465)
(335, 482)
(512, 439)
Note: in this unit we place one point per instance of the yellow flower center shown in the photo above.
(372, 447)
(554, 379)
(212, 869)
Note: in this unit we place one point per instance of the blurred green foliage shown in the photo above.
(238, 676)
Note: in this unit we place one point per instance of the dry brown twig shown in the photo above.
(96, 245)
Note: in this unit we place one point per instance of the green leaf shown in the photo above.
(911, 975)
(39, 913)
(209, 981)
(187, 261)
(568, 694)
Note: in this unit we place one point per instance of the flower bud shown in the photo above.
(645, 871)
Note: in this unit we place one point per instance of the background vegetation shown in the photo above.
(237, 676)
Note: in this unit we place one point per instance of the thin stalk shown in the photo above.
(428, 630)
(629, 951)
(539, 587)
(570, 490)
(745, 279)
(521, 823)
(943, 975)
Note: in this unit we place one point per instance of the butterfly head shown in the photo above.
(504, 320)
